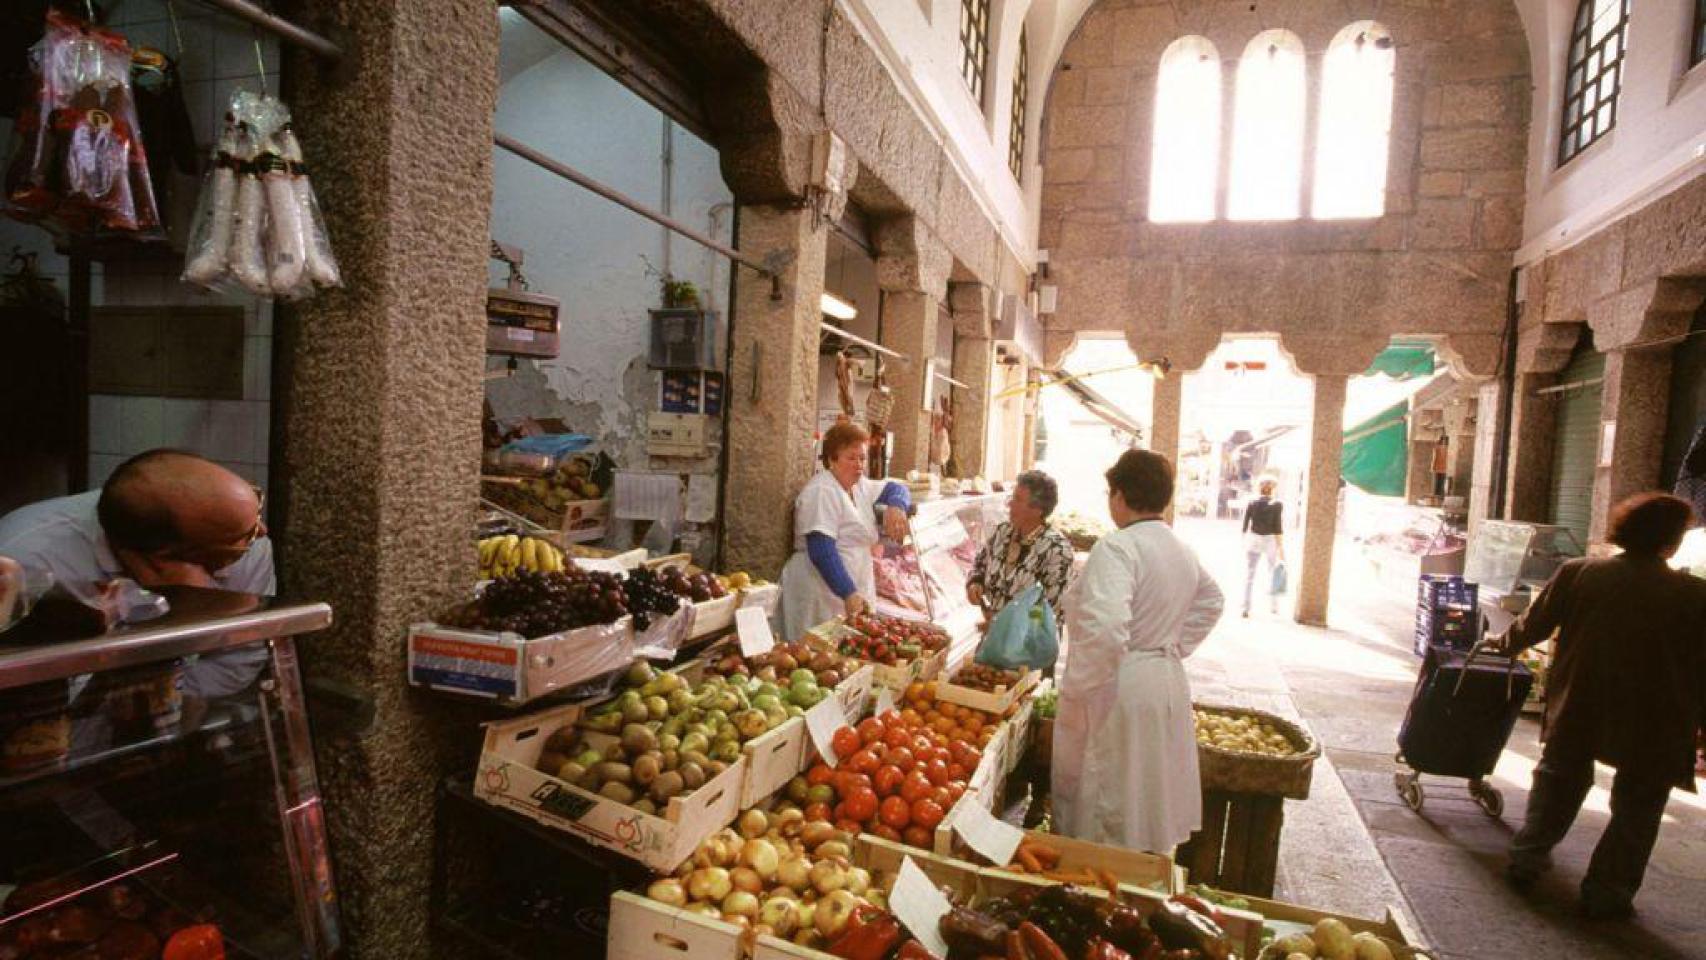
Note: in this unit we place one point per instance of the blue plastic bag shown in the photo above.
(1279, 583)
(1022, 634)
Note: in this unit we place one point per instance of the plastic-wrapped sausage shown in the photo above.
(210, 239)
(322, 267)
(248, 262)
(286, 249)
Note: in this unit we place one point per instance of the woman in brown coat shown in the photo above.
(1627, 686)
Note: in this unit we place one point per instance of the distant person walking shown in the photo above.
(1625, 690)
(1264, 539)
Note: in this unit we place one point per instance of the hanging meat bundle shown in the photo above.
(258, 224)
(78, 164)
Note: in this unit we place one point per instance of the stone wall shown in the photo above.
(1436, 263)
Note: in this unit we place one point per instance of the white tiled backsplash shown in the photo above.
(216, 58)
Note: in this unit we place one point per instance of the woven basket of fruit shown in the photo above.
(1240, 750)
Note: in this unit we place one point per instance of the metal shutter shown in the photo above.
(1575, 452)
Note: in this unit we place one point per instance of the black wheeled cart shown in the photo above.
(1460, 717)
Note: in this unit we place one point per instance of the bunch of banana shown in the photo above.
(503, 556)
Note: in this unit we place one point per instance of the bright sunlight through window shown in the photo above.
(1356, 124)
(1185, 164)
(1267, 136)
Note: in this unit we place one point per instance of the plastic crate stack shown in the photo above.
(1448, 614)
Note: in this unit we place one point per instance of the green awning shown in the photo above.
(1376, 454)
(1404, 360)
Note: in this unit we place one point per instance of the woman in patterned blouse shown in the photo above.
(1024, 550)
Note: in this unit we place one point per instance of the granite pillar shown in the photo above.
(1534, 426)
(1168, 392)
(1418, 467)
(376, 406)
(909, 326)
(974, 362)
(1634, 405)
(772, 388)
(1321, 508)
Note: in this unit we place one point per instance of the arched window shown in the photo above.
(1185, 155)
(1352, 139)
(1594, 74)
(1267, 132)
(1016, 131)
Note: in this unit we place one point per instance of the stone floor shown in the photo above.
(1354, 847)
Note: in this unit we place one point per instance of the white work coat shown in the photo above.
(824, 506)
(1125, 749)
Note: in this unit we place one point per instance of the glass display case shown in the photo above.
(926, 579)
(157, 787)
(1506, 554)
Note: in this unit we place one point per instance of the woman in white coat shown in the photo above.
(833, 569)
(1125, 749)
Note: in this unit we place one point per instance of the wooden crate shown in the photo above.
(1237, 848)
(1245, 926)
(984, 788)
(1133, 868)
(513, 669)
(506, 777)
(714, 616)
(766, 595)
(1018, 738)
(772, 760)
(997, 703)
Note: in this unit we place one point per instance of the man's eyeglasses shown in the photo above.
(260, 513)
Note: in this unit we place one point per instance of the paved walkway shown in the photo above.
(1354, 847)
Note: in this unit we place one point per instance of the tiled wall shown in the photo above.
(216, 58)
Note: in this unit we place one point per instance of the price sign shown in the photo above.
(822, 721)
(753, 626)
(601, 565)
(920, 907)
(995, 839)
(885, 700)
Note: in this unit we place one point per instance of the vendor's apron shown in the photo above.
(1125, 757)
(806, 600)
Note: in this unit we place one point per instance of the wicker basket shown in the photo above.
(1237, 772)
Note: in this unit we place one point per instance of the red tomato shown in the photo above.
(864, 762)
(943, 797)
(937, 772)
(820, 773)
(956, 772)
(861, 805)
(890, 717)
(886, 832)
(887, 779)
(914, 786)
(922, 747)
(897, 736)
(927, 813)
(916, 836)
(870, 730)
(853, 827)
(955, 792)
(818, 811)
(901, 759)
(848, 780)
(896, 813)
(973, 757)
(846, 742)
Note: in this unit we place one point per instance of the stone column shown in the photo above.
(1486, 443)
(1635, 404)
(1322, 508)
(974, 363)
(1168, 396)
(1418, 467)
(1534, 426)
(772, 388)
(376, 410)
(909, 326)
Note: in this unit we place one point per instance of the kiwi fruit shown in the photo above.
(637, 738)
(695, 757)
(667, 785)
(645, 806)
(570, 772)
(646, 768)
(692, 775)
(590, 781)
(615, 754)
(550, 760)
(671, 759)
(618, 772)
(619, 792)
(716, 768)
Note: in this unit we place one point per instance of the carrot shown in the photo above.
(1029, 860)
(1109, 882)
(1046, 855)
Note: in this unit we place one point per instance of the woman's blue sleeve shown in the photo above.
(820, 547)
(896, 495)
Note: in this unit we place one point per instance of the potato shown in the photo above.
(1333, 939)
(1370, 947)
(1295, 943)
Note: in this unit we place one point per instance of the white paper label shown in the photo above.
(920, 907)
(521, 333)
(885, 699)
(753, 625)
(600, 565)
(823, 720)
(997, 840)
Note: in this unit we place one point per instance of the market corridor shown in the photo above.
(1353, 846)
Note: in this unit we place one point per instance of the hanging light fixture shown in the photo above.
(836, 307)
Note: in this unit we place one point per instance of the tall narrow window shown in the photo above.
(1698, 51)
(1016, 134)
(1594, 75)
(1185, 155)
(974, 44)
(1353, 136)
(1267, 132)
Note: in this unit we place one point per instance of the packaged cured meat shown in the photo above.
(78, 164)
(258, 222)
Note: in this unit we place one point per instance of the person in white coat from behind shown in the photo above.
(1125, 749)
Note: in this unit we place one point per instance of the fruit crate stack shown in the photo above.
(1448, 614)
